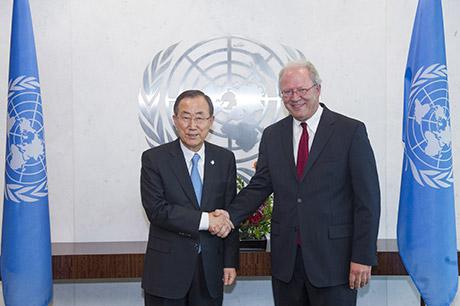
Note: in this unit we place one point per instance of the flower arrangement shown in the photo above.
(257, 225)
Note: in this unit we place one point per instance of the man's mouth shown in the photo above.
(297, 104)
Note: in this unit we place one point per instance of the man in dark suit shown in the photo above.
(180, 182)
(326, 197)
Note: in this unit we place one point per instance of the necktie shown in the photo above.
(197, 185)
(195, 176)
(302, 153)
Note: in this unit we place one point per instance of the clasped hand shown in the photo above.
(219, 223)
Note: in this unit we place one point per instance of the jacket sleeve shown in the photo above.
(161, 206)
(231, 242)
(256, 192)
(366, 198)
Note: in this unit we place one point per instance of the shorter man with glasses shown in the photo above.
(181, 182)
(320, 166)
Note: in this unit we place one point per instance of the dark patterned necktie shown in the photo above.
(302, 153)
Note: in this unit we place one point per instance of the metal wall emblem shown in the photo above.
(241, 77)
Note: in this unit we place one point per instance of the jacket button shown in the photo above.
(299, 200)
(294, 229)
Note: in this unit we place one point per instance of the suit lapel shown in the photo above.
(179, 168)
(324, 131)
(287, 143)
(210, 164)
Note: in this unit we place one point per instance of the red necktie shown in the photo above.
(302, 154)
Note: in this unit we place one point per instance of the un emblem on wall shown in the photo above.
(241, 77)
(428, 137)
(25, 147)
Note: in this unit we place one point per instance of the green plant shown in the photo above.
(257, 225)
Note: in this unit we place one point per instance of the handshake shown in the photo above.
(219, 223)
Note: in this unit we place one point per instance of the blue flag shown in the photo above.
(426, 220)
(26, 246)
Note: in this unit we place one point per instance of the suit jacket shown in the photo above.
(171, 206)
(336, 204)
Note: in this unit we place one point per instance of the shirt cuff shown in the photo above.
(204, 222)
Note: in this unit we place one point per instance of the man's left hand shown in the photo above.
(229, 276)
(360, 275)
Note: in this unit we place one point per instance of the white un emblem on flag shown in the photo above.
(429, 148)
(25, 157)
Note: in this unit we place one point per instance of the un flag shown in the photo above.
(26, 246)
(426, 221)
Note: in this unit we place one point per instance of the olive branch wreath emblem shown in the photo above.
(432, 178)
(149, 117)
(18, 192)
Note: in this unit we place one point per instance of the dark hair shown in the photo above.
(193, 94)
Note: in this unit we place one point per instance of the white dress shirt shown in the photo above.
(312, 126)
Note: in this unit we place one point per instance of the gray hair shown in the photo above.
(314, 75)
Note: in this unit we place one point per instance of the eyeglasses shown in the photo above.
(198, 120)
(300, 92)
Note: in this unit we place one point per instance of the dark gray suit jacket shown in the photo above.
(336, 204)
(172, 209)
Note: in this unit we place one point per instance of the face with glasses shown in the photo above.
(300, 95)
(193, 122)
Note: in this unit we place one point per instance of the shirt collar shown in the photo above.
(313, 122)
(188, 154)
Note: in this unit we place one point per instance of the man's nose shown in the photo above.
(295, 96)
(192, 124)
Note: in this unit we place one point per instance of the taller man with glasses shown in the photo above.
(320, 166)
(181, 182)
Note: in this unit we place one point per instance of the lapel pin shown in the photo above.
(212, 162)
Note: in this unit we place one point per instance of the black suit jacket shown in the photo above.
(336, 204)
(172, 209)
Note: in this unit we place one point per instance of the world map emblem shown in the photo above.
(428, 133)
(239, 74)
(26, 177)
